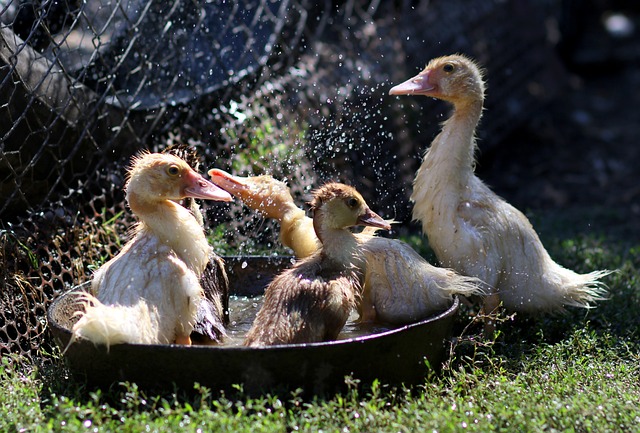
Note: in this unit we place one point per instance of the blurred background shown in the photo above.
(297, 89)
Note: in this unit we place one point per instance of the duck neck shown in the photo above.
(337, 244)
(453, 150)
(175, 226)
(291, 214)
(297, 233)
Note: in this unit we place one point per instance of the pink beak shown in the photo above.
(199, 187)
(372, 219)
(226, 181)
(416, 85)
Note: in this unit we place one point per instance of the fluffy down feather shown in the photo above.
(400, 286)
(150, 292)
(469, 227)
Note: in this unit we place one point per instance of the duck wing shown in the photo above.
(301, 306)
(148, 274)
(213, 310)
(402, 287)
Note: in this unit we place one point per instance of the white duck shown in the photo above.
(210, 321)
(400, 286)
(469, 227)
(149, 293)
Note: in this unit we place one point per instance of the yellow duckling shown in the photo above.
(150, 292)
(210, 320)
(469, 227)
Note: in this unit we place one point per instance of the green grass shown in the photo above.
(576, 372)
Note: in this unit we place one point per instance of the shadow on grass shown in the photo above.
(614, 322)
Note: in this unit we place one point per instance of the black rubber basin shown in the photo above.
(402, 355)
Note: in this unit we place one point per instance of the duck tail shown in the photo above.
(465, 286)
(585, 289)
(113, 324)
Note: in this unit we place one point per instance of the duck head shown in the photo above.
(453, 78)
(155, 177)
(261, 193)
(338, 206)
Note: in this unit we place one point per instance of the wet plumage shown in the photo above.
(149, 293)
(400, 286)
(213, 311)
(312, 301)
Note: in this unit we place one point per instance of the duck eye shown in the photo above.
(352, 202)
(448, 68)
(173, 170)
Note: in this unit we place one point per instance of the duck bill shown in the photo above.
(199, 187)
(418, 85)
(227, 181)
(372, 219)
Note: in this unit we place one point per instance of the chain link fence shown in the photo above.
(289, 87)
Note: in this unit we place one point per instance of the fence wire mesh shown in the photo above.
(290, 87)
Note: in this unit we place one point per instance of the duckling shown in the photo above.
(149, 293)
(273, 198)
(210, 321)
(469, 227)
(311, 301)
(400, 286)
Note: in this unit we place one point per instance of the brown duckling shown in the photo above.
(311, 301)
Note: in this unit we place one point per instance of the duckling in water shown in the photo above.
(213, 310)
(400, 286)
(149, 293)
(311, 301)
(469, 227)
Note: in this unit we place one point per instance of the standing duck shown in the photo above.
(469, 227)
(400, 286)
(149, 293)
(311, 301)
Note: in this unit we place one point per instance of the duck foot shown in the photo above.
(184, 340)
